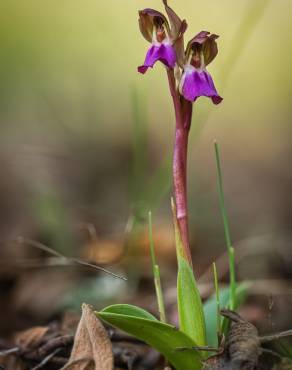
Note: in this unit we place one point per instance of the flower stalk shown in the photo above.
(183, 115)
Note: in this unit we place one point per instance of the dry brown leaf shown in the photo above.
(92, 348)
(30, 338)
(27, 340)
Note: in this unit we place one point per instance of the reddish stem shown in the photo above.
(183, 115)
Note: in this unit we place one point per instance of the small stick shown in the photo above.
(198, 348)
(271, 352)
(269, 338)
(46, 359)
(49, 250)
(56, 343)
(9, 351)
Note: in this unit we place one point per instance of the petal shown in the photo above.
(210, 49)
(209, 45)
(163, 52)
(146, 22)
(199, 83)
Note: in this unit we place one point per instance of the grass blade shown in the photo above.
(156, 274)
(230, 249)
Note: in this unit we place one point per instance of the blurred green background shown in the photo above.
(85, 139)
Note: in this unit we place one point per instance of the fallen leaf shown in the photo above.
(92, 349)
(30, 338)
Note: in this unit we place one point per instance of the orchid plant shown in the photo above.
(199, 325)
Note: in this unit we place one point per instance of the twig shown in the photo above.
(46, 359)
(49, 250)
(271, 352)
(269, 338)
(198, 348)
(9, 351)
(56, 343)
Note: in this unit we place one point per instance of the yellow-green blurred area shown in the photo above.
(85, 139)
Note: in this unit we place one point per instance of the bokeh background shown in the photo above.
(86, 142)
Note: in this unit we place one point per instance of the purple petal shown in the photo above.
(199, 83)
(164, 53)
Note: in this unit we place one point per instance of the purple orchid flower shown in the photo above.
(165, 37)
(196, 81)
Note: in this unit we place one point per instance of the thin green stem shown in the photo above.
(217, 302)
(230, 249)
(156, 274)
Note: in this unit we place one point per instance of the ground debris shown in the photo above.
(49, 348)
(242, 348)
(285, 364)
(100, 348)
(92, 348)
(31, 338)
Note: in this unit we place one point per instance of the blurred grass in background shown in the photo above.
(85, 138)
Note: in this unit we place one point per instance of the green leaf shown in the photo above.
(190, 309)
(210, 310)
(163, 337)
(191, 315)
(129, 310)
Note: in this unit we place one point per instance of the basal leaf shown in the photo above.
(163, 337)
(190, 309)
(129, 310)
(191, 315)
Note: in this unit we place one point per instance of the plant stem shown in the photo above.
(183, 116)
(180, 187)
(156, 274)
(230, 249)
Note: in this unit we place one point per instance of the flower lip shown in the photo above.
(164, 53)
(196, 83)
